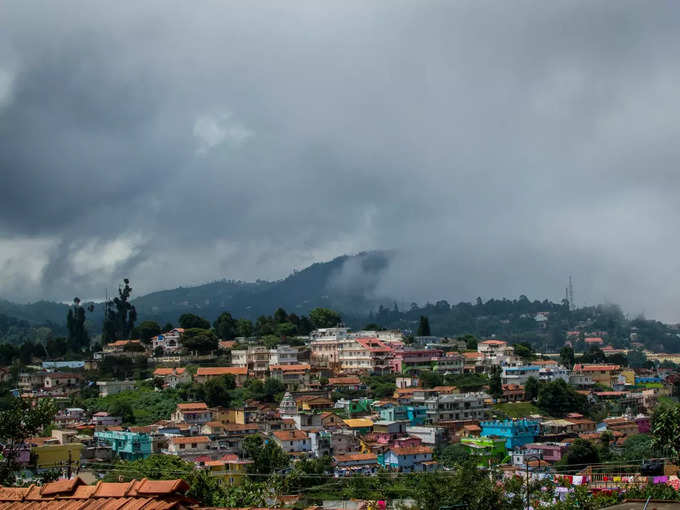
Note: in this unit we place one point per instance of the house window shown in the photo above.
(182, 446)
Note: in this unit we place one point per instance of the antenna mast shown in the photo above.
(570, 295)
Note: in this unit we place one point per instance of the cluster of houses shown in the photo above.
(361, 435)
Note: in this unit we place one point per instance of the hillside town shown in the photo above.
(342, 405)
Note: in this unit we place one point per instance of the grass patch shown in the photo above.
(148, 406)
(517, 409)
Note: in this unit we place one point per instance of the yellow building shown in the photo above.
(231, 471)
(51, 456)
(629, 375)
(603, 374)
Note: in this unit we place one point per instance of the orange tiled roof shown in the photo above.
(189, 440)
(192, 406)
(73, 494)
(169, 371)
(290, 435)
(207, 371)
(580, 367)
(412, 450)
(472, 355)
(355, 457)
(290, 368)
(351, 379)
(493, 342)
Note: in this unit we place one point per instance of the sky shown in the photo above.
(497, 147)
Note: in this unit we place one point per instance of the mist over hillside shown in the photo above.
(351, 285)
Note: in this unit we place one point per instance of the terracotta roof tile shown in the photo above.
(208, 371)
(192, 406)
(356, 457)
(414, 450)
(189, 440)
(290, 435)
(162, 486)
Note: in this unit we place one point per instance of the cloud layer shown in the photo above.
(498, 147)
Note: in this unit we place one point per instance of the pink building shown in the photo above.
(550, 452)
(642, 422)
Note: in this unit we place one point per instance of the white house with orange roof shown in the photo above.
(495, 352)
(293, 440)
(292, 376)
(170, 341)
(192, 413)
(204, 374)
(172, 376)
(188, 446)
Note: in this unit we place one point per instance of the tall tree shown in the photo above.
(567, 358)
(19, 421)
(225, 326)
(424, 326)
(531, 388)
(496, 383)
(75, 323)
(119, 315)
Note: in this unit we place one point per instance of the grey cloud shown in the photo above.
(497, 147)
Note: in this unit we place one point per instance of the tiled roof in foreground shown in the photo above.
(74, 494)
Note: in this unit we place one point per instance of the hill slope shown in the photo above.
(345, 283)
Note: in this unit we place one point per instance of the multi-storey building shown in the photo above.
(515, 432)
(255, 359)
(192, 413)
(457, 407)
(292, 376)
(519, 374)
(283, 355)
(495, 352)
(365, 355)
(170, 341)
(551, 373)
(325, 345)
(603, 374)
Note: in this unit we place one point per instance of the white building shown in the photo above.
(170, 341)
(495, 352)
(283, 355)
(325, 344)
(553, 373)
(293, 440)
(171, 377)
(519, 374)
(107, 388)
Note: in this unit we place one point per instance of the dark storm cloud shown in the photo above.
(498, 147)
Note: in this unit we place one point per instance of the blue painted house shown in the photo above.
(414, 414)
(127, 445)
(409, 460)
(515, 432)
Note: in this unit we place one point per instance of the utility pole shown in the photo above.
(68, 470)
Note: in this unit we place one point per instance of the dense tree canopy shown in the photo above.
(324, 318)
(199, 340)
(192, 321)
(557, 398)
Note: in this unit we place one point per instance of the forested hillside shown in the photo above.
(348, 284)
